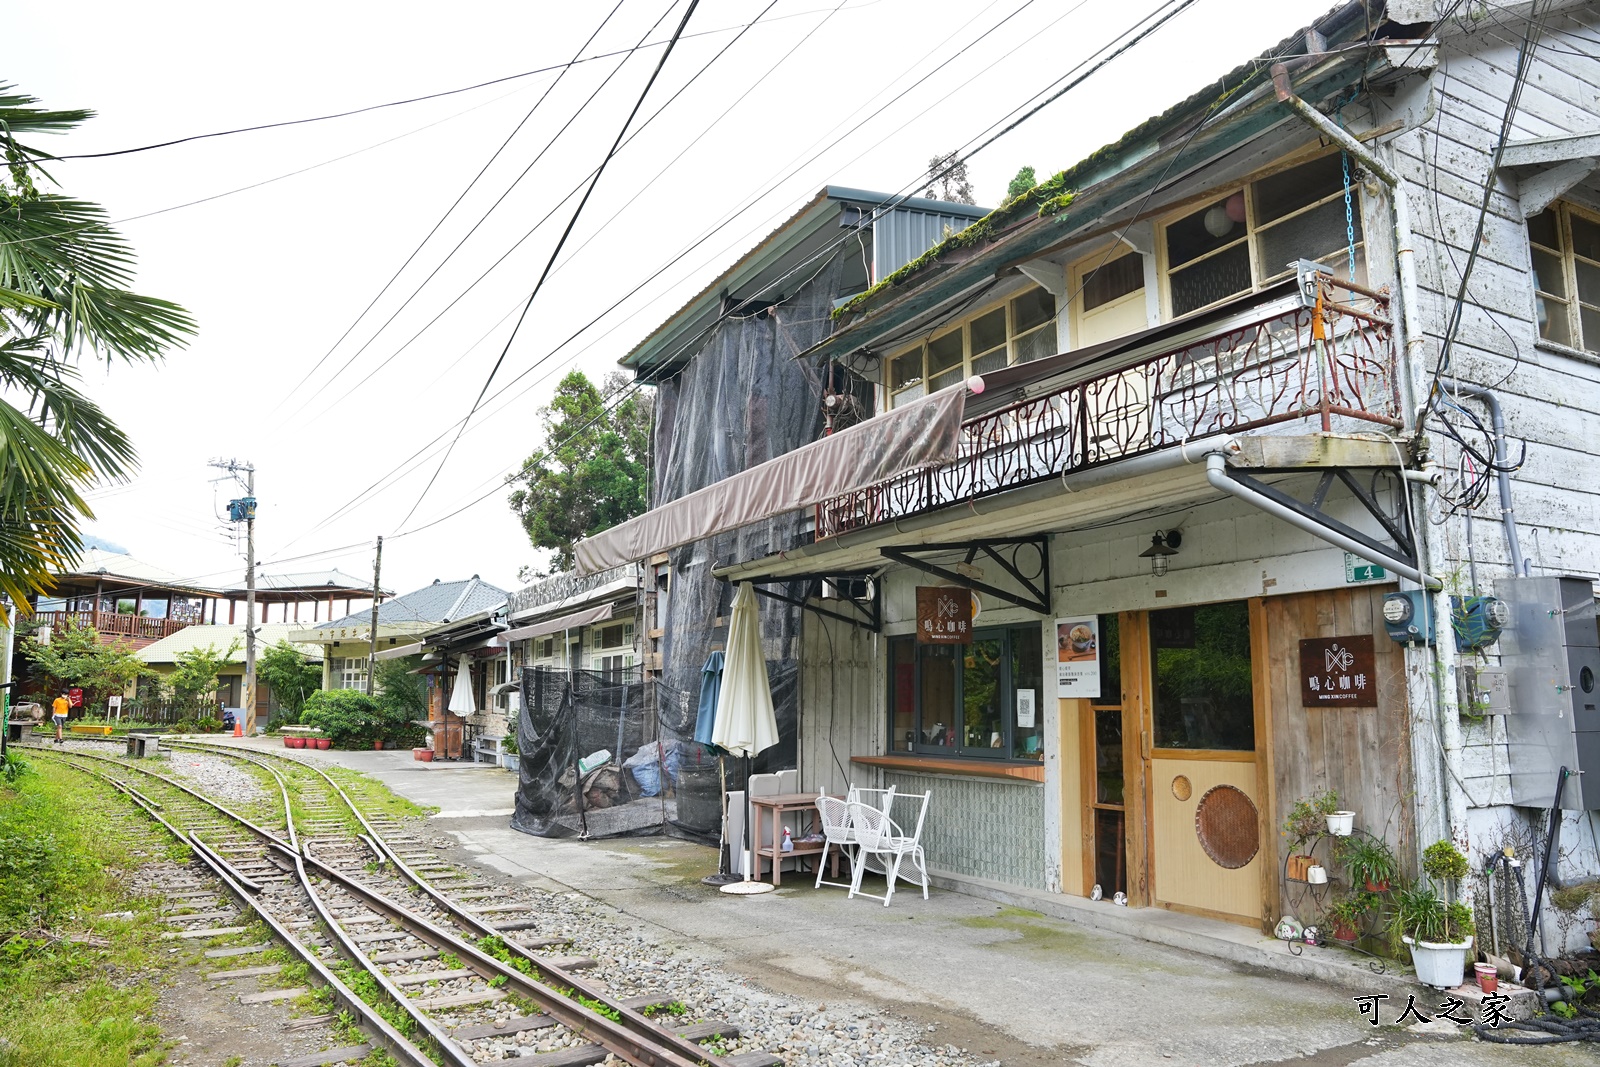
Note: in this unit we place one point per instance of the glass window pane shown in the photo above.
(910, 393)
(1555, 323)
(1591, 329)
(1544, 229)
(902, 693)
(1037, 345)
(1585, 237)
(988, 331)
(905, 369)
(945, 380)
(982, 725)
(991, 361)
(937, 665)
(1588, 283)
(1110, 852)
(1205, 283)
(1204, 690)
(1547, 269)
(1031, 309)
(1292, 190)
(1206, 230)
(1027, 692)
(944, 353)
(1109, 281)
(1110, 660)
(1108, 756)
(1309, 236)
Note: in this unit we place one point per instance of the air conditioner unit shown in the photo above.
(847, 588)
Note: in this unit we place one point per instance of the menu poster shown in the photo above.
(1078, 657)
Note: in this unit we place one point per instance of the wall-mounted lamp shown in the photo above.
(1162, 545)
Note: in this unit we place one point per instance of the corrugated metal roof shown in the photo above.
(439, 602)
(901, 235)
(220, 637)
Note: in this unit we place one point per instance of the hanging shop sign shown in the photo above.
(1338, 672)
(1078, 657)
(944, 615)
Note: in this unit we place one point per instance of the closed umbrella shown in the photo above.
(745, 723)
(705, 721)
(461, 696)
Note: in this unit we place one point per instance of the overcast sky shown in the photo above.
(277, 273)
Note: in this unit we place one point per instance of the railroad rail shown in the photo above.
(336, 869)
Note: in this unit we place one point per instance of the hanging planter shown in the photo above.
(1340, 823)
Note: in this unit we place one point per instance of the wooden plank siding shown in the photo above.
(1364, 754)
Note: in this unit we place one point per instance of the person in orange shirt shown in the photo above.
(58, 713)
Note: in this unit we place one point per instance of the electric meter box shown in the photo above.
(1550, 650)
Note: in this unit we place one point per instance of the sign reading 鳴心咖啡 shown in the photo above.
(1338, 672)
(944, 615)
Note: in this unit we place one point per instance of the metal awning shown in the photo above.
(920, 434)
(550, 626)
(400, 651)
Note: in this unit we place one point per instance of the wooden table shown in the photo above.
(776, 805)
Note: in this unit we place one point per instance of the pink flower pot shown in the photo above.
(1488, 977)
(295, 742)
(324, 743)
(288, 742)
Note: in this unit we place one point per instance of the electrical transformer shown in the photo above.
(1550, 649)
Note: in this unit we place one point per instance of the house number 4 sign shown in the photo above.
(1338, 672)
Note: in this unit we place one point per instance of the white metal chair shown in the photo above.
(834, 817)
(877, 835)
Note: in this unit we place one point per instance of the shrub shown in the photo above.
(348, 716)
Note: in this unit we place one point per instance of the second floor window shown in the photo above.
(1018, 331)
(1564, 243)
(1249, 237)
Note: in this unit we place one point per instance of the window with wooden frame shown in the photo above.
(980, 700)
(1564, 243)
(1019, 330)
(1249, 237)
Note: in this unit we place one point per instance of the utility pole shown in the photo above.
(377, 572)
(244, 510)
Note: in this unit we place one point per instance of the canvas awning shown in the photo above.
(550, 626)
(400, 651)
(921, 434)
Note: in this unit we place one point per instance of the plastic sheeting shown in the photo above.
(654, 776)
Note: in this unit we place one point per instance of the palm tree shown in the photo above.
(64, 274)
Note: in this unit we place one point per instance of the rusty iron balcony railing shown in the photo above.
(1278, 363)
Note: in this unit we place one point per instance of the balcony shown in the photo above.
(109, 624)
(1282, 362)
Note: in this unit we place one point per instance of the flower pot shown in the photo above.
(1441, 966)
(288, 742)
(295, 742)
(1341, 932)
(377, 746)
(324, 743)
(1317, 874)
(1298, 867)
(1488, 977)
(510, 761)
(1340, 823)
(422, 755)
(1377, 887)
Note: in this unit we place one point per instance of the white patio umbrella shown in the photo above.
(745, 722)
(461, 695)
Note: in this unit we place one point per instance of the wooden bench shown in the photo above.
(102, 730)
(298, 730)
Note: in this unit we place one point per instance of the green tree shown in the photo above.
(593, 470)
(75, 656)
(1024, 181)
(64, 300)
(195, 676)
(947, 179)
(402, 699)
(293, 678)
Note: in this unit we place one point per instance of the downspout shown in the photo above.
(1519, 565)
(1436, 677)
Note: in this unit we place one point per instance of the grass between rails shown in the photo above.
(80, 955)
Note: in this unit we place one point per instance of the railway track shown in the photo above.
(414, 948)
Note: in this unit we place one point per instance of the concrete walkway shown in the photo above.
(1033, 980)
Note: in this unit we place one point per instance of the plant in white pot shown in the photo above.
(509, 759)
(1438, 930)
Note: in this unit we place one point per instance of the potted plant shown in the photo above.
(509, 757)
(322, 741)
(1306, 819)
(1437, 930)
(1370, 862)
(1340, 823)
(295, 741)
(1347, 913)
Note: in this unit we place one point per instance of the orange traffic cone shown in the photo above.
(238, 726)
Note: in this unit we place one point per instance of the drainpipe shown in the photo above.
(1424, 674)
(1519, 565)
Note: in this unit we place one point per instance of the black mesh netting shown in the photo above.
(604, 754)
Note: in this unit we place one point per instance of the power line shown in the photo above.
(455, 204)
(578, 211)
